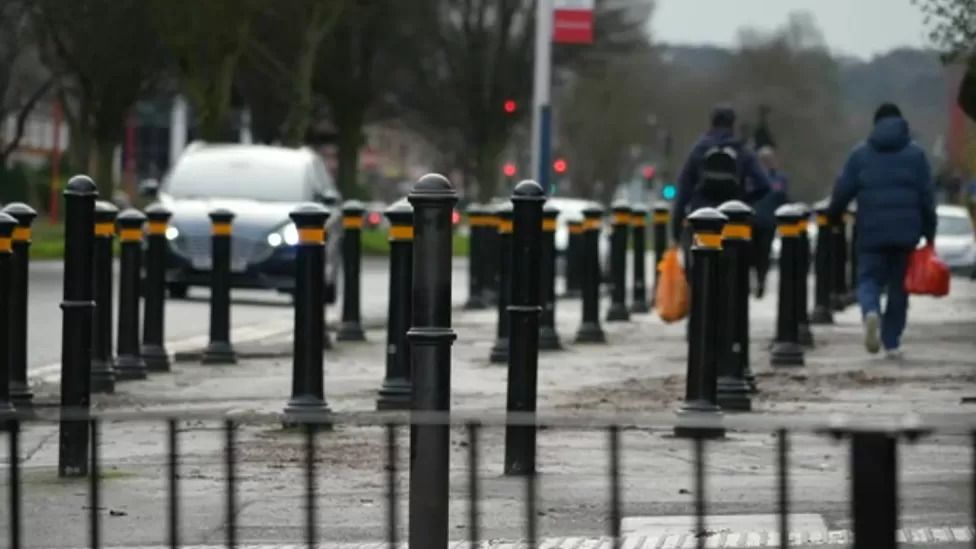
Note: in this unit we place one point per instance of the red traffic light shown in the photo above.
(648, 172)
(509, 169)
(559, 166)
(510, 106)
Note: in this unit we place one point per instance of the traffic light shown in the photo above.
(669, 191)
(510, 106)
(648, 173)
(509, 169)
(559, 166)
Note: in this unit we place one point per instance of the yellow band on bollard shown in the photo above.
(661, 217)
(401, 232)
(130, 235)
(708, 240)
(549, 225)
(822, 220)
(104, 229)
(740, 231)
(311, 235)
(592, 225)
(504, 226)
(5, 245)
(22, 234)
(479, 221)
(576, 228)
(157, 227)
(352, 222)
(220, 229)
(802, 224)
(638, 221)
(789, 230)
(621, 218)
(491, 220)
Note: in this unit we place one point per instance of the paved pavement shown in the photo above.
(640, 373)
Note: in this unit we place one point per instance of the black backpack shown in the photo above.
(719, 175)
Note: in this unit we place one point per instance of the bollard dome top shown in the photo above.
(550, 211)
(474, 208)
(528, 190)
(737, 211)
(788, 213)
(105, 211)
(640, 208)
(221, 215)
(130, 218)
(802, 208)
(593, 210)
(309, 214)
(505, 210)
(433, 187)
(158, 212)
(80, 185)
(620, 205)
(7, 224)
(23, 213)
(662, 207)
(401, 212)
(707, 220)
(821, 206)
(353, 208)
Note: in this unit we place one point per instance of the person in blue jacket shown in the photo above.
(889, 177)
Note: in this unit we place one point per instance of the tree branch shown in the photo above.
(25, 111)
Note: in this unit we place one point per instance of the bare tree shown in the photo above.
(952, 28)
(23, 78)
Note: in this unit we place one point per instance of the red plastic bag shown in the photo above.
(671, 298)
(926, 273)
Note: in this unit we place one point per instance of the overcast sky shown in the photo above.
(854, 27)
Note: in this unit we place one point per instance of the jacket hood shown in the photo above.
(890, 134)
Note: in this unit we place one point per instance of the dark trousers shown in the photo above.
(762, 244)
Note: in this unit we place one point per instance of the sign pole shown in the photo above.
(541, 114)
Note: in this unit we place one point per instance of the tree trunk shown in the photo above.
(350, 139)
(300, 111)
(487, 168)
(104, 172)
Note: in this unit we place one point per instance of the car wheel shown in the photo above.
(178, 291)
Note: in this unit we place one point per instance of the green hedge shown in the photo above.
(375, 242)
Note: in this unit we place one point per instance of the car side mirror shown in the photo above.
(149, 188)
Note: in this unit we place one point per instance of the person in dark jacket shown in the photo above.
(764, 222)
(889, 177)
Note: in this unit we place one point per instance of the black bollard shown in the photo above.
(786, 349)
(102, 370)
(129, 364)
(489, 256)
(20, 393)
(838, 256)
(396, 390)
(805, 335)
(660, 220)
(307, 384)
(351, 328)
(154, 316)
(7, 225)
(638, 224)
(590, 330)
(822, 310)
(523, 360)
(548, 336)
(852, 255)
(874, 489)
(476, 229)
(703, 327)
(574, 258)
(77, 305)
(733, 386)
(620, 224)
(220, 350)
(503, 248)
(431, 338)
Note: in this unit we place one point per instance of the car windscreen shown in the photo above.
(220, 177)
(953, 225)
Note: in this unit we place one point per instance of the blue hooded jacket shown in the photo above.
(753, 176)
(890, 178)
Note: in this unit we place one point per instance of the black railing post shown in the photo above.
(503, 249)
(852, 255)
(638, 224)
(489, 255)
(548, 336)
(307, 384)
(590, 330)
(154, 316)
(220, 350)
(7, 225)
(431, 338)
(805, 335)
(874, 489)
(574, 258)
(786, 349)
(706, 273)
(20, 393)
(524, 310)
(77, 305)
(620, 224)
(102, 370)
(128, 362)
(733, 388)
(822, 310)
(838, 258)
(351, 328)
(476, 253)
(395, 393)
(660, 220)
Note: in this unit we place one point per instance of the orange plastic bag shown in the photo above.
(926, 273)
(671, 298)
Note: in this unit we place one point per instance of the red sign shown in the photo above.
(572, 22)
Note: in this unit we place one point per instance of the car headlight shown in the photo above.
(285, 235)
(172, 233)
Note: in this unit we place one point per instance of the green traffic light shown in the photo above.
(669, 191)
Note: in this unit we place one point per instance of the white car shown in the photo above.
(571, 209)
(955, 240)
